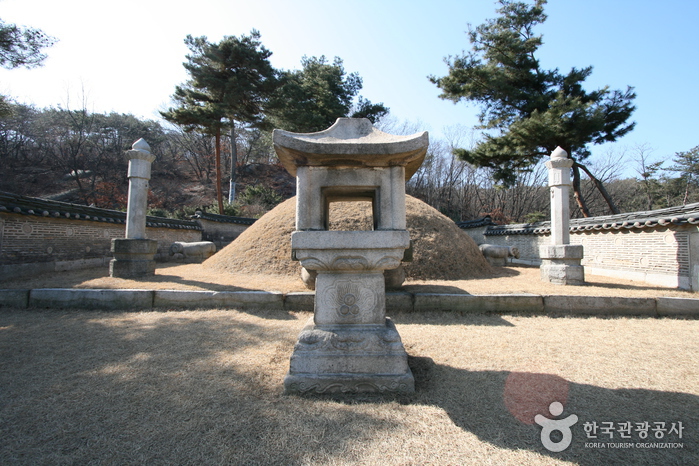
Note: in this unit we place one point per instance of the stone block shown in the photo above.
(561, 251)
(668, 306)
(399, 301)
(133, 258)
(600, 305)
(365, 358)
(498, 255)
(14, 298)
(91, 299)
(134, 249)
(357, 298)
(394, 278)
(299, 301)
(192, 252)
(478, 303)
(560, 273)
(218, 299)
(62, 266)
(131, 268)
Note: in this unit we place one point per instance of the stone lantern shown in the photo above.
(350, 345)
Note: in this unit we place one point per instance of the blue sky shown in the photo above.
(127, 56)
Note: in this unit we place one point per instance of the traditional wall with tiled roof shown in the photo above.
(38, 235)
(659, 247)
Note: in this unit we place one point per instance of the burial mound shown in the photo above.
(441, 251)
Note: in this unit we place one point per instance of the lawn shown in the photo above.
(203, 387)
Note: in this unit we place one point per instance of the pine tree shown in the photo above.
(527, 111)
(687, 165)
(230, 82)
(311, 99)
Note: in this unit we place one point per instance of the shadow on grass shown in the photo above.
(508, 272)
(206, 387)
(499, 407)
(591, 282)
(449, 318)
(206, 286)
(161, 388)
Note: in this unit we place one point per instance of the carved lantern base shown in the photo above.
(349, 359)
(350, 345)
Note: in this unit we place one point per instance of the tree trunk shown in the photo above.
(577, 194)
(219, 192)
(234, 163)
(600, 187)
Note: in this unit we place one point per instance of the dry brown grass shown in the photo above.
(199, 277)
(205, 387)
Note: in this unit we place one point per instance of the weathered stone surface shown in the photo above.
(599, 305)
(197, 251)
(133, 258)
(14, 298)
(478, 303)
(308, 277)
(140, 160)
(562, 272)
(318, 187)
(91, 299)
(348, 299)
(668, 306)
(399, 301)
(350, 142)
(299, 301)
(349, 250)
(213, 299)
(561, 251)
(349, 359)
(394, 278)
(498, 255)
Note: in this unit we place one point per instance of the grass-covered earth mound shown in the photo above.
(441, 250)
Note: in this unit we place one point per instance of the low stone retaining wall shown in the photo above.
(59, 298)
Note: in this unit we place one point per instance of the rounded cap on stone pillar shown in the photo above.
(559, 153)
(141, 145)
(140, 150)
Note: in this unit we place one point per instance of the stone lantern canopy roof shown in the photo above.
(350, 142)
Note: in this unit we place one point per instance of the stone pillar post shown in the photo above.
(133, 255)
(560, 261)
(140, 160)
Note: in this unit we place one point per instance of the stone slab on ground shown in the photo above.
(478, 303)
(668, 306)
(14, 298)
(303, 301)
(600, 305)
(399, 301)
(91, 299)
(299, 301)
(207, 299)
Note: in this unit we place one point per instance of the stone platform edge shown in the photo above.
(108, 299)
